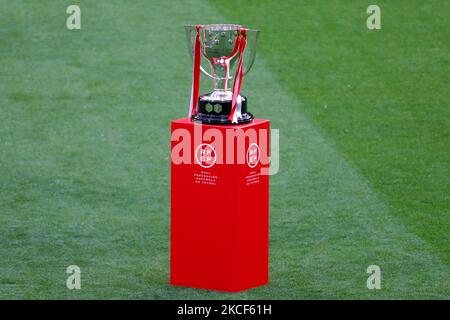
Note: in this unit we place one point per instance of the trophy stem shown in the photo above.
(221, 73)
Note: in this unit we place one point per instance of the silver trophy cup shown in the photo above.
(220, 50)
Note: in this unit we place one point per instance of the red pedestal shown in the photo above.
(219, 205)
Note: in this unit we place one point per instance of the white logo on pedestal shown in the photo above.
(205, 155)
(253, 154)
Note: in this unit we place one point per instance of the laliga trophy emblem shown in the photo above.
(230, 51)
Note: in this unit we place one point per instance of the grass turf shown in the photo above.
(84, 161)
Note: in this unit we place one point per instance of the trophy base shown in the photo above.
(211, 111)
(218, 119)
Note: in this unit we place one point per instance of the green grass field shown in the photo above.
(364, 119)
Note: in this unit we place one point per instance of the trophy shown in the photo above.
(225, 53)
(223, 244)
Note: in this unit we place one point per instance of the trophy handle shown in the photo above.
(250, 50)
(190, 34)
(205, 72)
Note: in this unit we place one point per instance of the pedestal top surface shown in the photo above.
(231, 126)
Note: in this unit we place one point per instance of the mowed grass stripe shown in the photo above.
(103, 201)
(328, 223)
(85, 162)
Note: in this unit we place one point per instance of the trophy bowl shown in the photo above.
(227, 54)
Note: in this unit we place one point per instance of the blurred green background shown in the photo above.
(364, 123)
